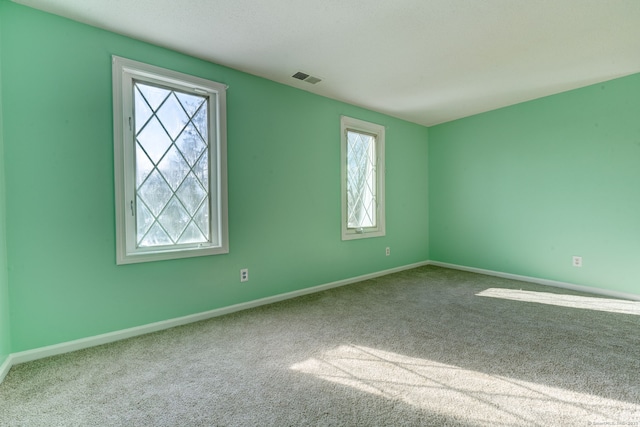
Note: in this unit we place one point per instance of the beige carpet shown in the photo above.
(428, 346)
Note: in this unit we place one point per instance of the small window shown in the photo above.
(362, 179)
(170, 164)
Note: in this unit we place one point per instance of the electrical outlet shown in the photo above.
(577, 261)
(244, 275)
(387, 251)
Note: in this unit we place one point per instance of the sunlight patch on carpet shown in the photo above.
(454, 391)
(573, 301)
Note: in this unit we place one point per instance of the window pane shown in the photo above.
(172, 116)
(156, 237)
(191, 144)
(154, 140)
(202, 220)
(200, 120)
(201, 170)
(144, 166)
(174, 219)
(155, 193)
(171, 166)
(154, 96)
(190, 103)
(144, 221)
(143, 112)
(361, 180)
(191, 193)
(192, 235)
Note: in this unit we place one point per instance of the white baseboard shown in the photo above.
(66, 347)
(546, 282)
(4, 368)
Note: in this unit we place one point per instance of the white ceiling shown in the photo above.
(426, 61)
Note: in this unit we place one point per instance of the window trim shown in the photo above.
(350, 123)
(124, 72)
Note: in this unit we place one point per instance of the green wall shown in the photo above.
(517, 190)
(524, 188)
(5, 331)
(284, 190)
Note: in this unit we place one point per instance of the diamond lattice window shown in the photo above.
(171, 166)
(170, 163)
(362, 179)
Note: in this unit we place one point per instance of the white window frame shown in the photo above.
(378, 131)
(125, 71)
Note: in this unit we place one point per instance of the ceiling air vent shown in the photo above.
(306, 77)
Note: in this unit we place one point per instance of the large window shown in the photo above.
(362, 179)
(170, 163)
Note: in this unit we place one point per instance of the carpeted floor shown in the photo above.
(429, 346)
